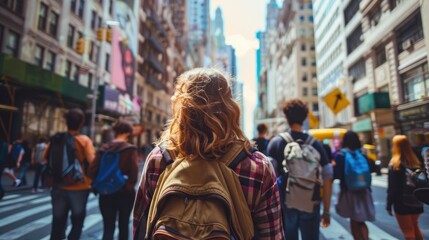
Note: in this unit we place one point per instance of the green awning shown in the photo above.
(363, 125)
(33, 76)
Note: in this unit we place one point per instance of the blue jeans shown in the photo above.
(307, 223)
(39, 169)
(23, 169)
(64, 201)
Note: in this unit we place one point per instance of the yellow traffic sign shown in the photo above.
(336, 101)
(313, 121)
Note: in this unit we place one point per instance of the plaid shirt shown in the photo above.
(258, 182)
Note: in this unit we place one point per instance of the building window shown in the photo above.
(53, 25)
(315, 107)
(73, 6)
(68, 69)
(91, 50)
(310, 18)
(15, 6)
(351, 10)
(410, 33)
(314, 91)
(90, 80)
(374, 17)
(304, 77)
(354, 40)
(100, 22)
(313, 62)
(302, 18)
(301, 6)
(380, 56)
(111, 7)
(416, 83)
(38, 55)
(50, 61)
(303, 62)
(43, 16)
(358, 70)
(310, 6)
(312, 47)
(76, 73)
(93, 19)
(81, 8)
(107, 66)
(303, 47)
(12, 43)
(70, 36)
(304, 92)
(314, 77)
(149, 116)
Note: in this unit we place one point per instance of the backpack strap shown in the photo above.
(241, 156)
(310, 140)
(287, 137)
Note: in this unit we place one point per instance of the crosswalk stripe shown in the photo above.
(20, 205)
(14, 201)
(21, 215)
(377, 233)
(335, 231)
(90, 205)
(8, 197)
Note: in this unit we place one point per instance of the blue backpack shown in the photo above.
(110, 178)
(357, 174)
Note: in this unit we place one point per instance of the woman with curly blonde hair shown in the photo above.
(205, 126)
(406, 207)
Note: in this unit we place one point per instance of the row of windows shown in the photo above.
(304, 62)
(310, 18)
(12, 41)
(313, 91)
(44, 16)
(15, 6)
(328, 25)
(332, 57)
(328, 43)
(46, 62)
(309, 6)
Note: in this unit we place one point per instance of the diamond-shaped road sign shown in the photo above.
(336, 101)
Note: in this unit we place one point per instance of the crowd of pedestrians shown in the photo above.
(268, 188)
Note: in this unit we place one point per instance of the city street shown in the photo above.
(28, 216)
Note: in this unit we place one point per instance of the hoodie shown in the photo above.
(128, 162)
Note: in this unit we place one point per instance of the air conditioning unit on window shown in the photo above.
(407, 44)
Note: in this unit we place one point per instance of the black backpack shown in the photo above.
(63, 166)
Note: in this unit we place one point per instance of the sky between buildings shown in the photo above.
(242, 19)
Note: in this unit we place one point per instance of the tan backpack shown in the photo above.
(200, 199)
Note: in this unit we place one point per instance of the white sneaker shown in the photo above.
(17, 183)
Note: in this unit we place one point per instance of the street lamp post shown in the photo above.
(98, 78)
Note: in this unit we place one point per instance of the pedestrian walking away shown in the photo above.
(355, 200)
(25, 163)
(39, 163)
(114, 174)
(261, 141)
(305, 169)
(204, 146)
(401, 201)
(69, 191)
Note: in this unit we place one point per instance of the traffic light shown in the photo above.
(109, 35)
(80, 46)
(100, 34)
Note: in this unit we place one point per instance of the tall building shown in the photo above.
(160, 61)
(50, 61)
(291, 69)
(331, 52)
(224, 55)
(199, 33)
(264, 109)
(382, 66)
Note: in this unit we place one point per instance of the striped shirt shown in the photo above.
(258, 183)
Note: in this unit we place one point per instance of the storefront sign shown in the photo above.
(413, 113)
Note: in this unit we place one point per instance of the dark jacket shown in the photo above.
(128, 162)
(395, 192)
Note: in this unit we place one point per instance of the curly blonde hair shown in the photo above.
(205, 116)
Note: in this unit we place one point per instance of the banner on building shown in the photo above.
(124, 51)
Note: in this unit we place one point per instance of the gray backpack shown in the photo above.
(302, 163)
